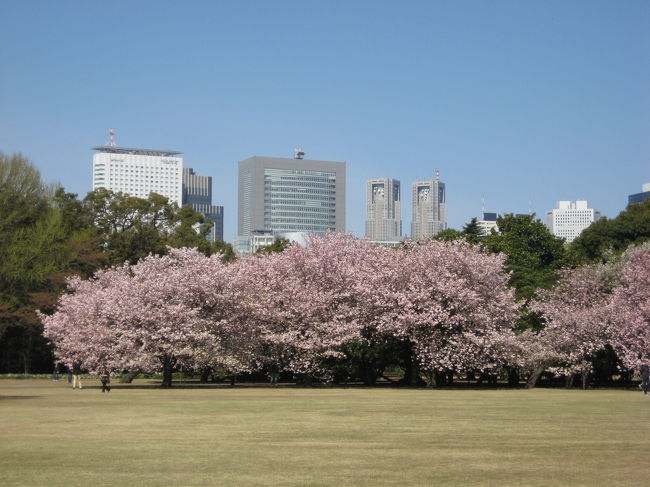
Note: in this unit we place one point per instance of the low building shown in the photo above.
(570, 218)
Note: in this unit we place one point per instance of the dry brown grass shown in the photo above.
(52, 436)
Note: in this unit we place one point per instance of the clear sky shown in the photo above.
(522, 103)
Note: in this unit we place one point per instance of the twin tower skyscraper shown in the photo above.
(384, 206)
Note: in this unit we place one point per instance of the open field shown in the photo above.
(53, 436)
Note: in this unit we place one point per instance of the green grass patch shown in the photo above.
(244, 436)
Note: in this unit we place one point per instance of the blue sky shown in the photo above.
(519, 103)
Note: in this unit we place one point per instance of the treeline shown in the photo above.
(343, 308)
(47, 235)
(66, 236)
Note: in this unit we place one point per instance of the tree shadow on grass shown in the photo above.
(2, 398)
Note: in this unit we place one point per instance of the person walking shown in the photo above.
(645, 376)
(55, 373)
(105, 377)
(76, 374)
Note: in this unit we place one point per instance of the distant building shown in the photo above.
(569, 219)
(640, 197)
(261, 238)
(197, 193)
(383, 210)
(281, 195)
(488, 223)
(138, 172)
(429, 209)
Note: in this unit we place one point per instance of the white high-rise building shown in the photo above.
(383, 210)
(429, 209)
(138, 172)
(570, 218)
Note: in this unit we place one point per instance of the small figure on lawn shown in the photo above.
(76, 374)
(105, 377)
(645, 376)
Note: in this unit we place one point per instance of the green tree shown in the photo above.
(33, 252)
(534, 254)
(278, 245)
(472, 231)
(130, 228)
(448, 235)
(631, 226)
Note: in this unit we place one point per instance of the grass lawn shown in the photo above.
(53, 436)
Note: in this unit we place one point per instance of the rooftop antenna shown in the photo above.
(482, 206)
(298, 153)
(437, 174)
(111, 138)
(530, 206)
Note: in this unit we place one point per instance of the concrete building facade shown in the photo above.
(428, 209)
(488, 223)
(383, 210)
(138, 172)
(282, 195)
(570, 218)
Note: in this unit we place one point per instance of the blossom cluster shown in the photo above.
(291, 310)
(297, 310)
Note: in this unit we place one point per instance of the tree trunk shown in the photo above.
(205, 374)
(431, 378)
(450, 378)
(26, 351)
(411, 370)
(534, 377)
(168, 367)
(513, 377)
(585, 376)
(129, 376)
(568, 383)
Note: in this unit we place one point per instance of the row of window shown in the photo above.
(300, 184)
(302, 228)
(302, 209)
(311, 221)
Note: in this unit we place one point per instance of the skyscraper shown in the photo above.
(569, 219)
(197, 193)
(281, 195)
(138, 172)
(383, 210)
(429, 208)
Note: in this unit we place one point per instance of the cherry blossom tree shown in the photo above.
(629, 310)
(305, 301)
(154, 315)
(575, 326)
(590, 307)
(452, 302)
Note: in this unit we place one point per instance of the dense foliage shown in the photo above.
(47, 234)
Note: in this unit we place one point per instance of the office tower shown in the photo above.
(138, 172)
(488, 223)
(197, 193)
(429, 208)
(281, 195)
(383, 210)
(640, 197)
(569, 219)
